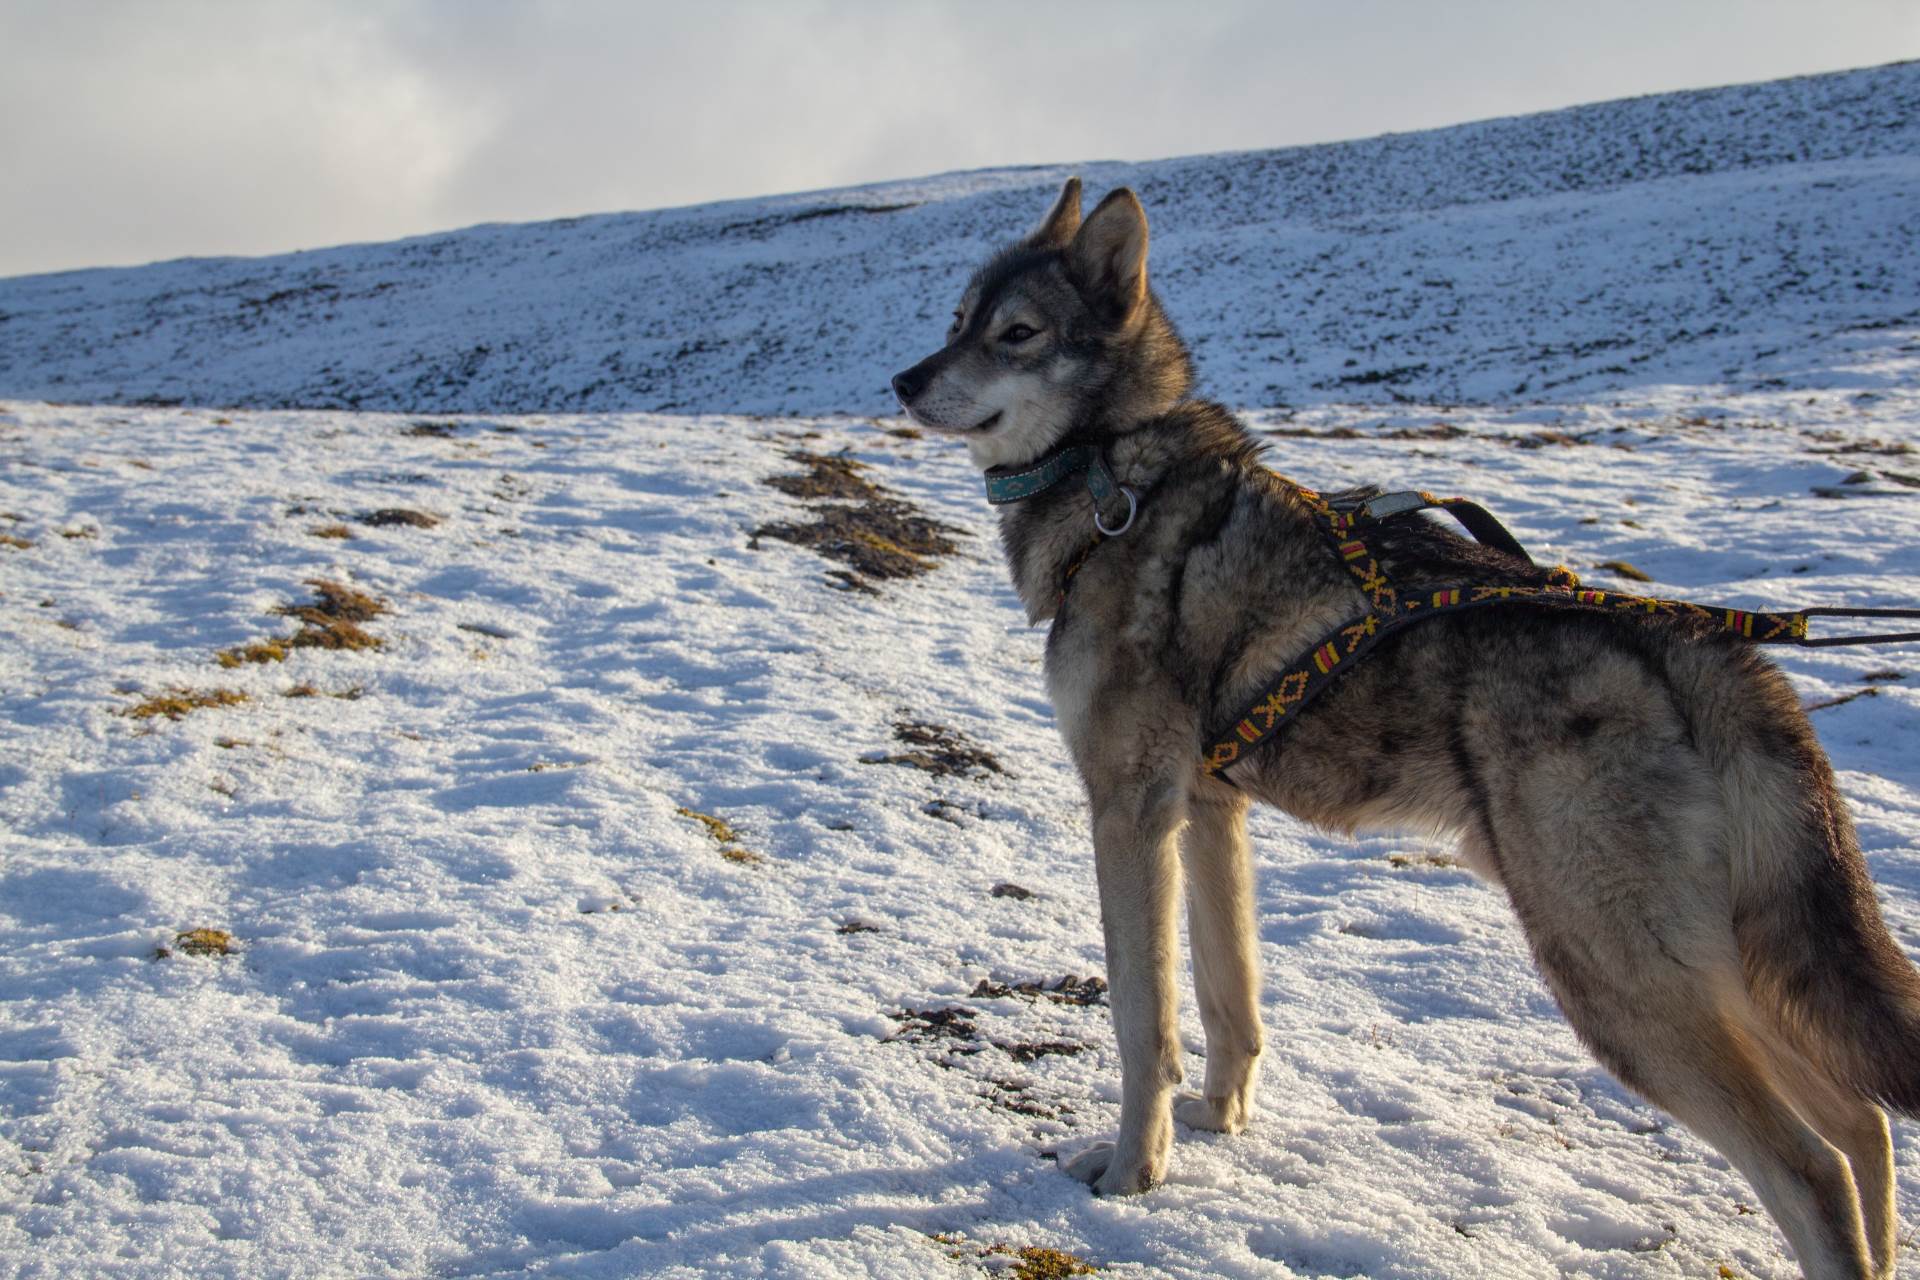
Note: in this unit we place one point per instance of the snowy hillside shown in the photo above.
(1736, 234)
(573, 825)
(606, 891)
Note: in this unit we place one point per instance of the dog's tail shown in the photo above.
(1817, 955)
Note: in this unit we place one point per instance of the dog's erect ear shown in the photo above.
(1108, 256)
(1062, 221)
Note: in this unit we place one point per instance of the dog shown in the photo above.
(1648, 793)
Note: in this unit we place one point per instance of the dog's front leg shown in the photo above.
(1226, 973)
(1136, 858)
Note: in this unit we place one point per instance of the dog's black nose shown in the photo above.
(909, 384)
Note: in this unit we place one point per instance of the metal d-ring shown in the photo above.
(1133, 509)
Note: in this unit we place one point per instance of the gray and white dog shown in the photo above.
(1650, 795)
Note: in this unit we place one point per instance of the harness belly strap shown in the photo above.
(1335, 653)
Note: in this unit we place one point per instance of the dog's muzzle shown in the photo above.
(910, 384)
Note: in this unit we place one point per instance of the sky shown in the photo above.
(138, 130)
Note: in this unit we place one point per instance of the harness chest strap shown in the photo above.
(1335, 653)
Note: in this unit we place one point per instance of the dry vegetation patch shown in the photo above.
(199, 942)
(882, 537)
(1028, 1262)
(386, 517)
(331, 620)
(304, 690)
(827, 476)
(177, 702)
(1072, 989)
(938, 750)
(1624, 569)
(723, 835)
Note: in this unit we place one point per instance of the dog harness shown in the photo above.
(1343, 524)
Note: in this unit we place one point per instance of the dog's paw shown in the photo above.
(1090, 1164)
(1214, 1115)
(1095, 1166)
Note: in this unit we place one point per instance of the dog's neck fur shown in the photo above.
(1043, 537)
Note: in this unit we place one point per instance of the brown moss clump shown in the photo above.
(938, 750)
(832, 477)
(1623, 569)
(718, 828)
(203, 942)
(339, 634)
(303, 690)
(177, 702)
(334, 603)
(386, 517)
(879, 535)
(1049, 1264)
(1029, 1263)
(330, 621)
(723, 835)
(259, 651)
(19, 544)
(882, 538)
(331, 531)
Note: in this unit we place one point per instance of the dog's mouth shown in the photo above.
(985, 424)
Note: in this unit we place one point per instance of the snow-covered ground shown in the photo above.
(496, 1007)
(1729, 235)
(580, 926)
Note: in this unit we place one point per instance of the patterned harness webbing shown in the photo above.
(1308, 676)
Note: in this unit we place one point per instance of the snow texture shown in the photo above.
(1727, 235)
(496, 1006)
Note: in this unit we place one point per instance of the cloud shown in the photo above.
(147, 129)
(138, 130)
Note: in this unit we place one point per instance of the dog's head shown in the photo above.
(1057, 334)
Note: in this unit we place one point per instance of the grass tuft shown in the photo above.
(177, 702)
(330, 621)
(259, 651)
(1030, 1262)
(938, 750)
(1049, 1264)
(723, 835)
(386, 517)
(1625, 570)
(304, 690)
(203, 942)
(332, 531)
(860, 524)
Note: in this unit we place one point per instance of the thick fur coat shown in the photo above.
(1648, 794)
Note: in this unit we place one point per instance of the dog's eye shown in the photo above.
(958, 316)
(1017, 333)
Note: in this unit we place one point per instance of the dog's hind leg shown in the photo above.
(1859, 1129)
(1226, 974)
(1717, 1087)
(1686, 1038)
(1137, 862)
